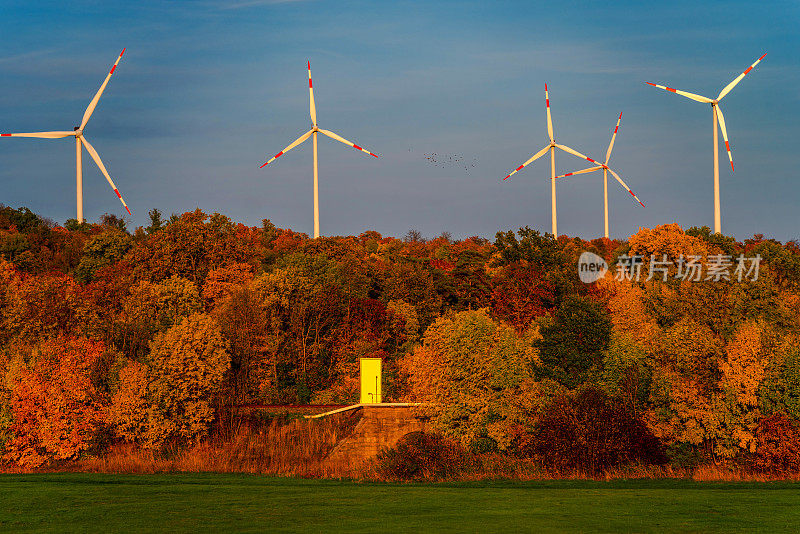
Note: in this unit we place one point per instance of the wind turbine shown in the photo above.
(81, 140)
(313, 132)
(716, 112)
(606, 170)
(552, 148)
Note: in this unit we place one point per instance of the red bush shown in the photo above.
(422, 456)
(777, 445)
(589, 432)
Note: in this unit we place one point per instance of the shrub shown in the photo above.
(777, 445)
(422, 456)
(590, 431)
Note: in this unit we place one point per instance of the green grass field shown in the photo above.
(182, 503)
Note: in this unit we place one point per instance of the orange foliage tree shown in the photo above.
(472, 373)
(56, 410)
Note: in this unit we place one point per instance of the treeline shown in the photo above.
(159, 336)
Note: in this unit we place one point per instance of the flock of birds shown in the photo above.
(450, 160)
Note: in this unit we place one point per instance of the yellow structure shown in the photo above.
(371, 381)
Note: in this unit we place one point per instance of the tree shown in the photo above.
(743, 371)
(156, 221)
(667, 239)
(55, 408)
(245, 322)
(303, 303)
(152, 308)
(112, 221)
(413, 236)
(102, 250)
(404, 316)
(520, 294)
(556, 260)
(193, 244)
(724, 244)
(780, 389)
(179, 386)
(131, 410)
(777, 445)
(220, 282)
(573, 342)
(472, 372)
(22, 219)
(627, 372)
(40, 307)
(543, 251)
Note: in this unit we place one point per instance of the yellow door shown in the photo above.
(370, 380)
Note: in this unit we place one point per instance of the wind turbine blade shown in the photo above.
(623, 184)
(96, 158)
(724, 133)
(698, 98)
(590, 169)
(738, 79)
(613, 137)
(345, 141)
(549, 119)
(576, 153)
(93, 104)
(312, 107)
(42, 135)
(533, 158)
(299, 140)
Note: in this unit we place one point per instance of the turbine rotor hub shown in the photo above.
(78, 131)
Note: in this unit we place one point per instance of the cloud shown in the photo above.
(256, 3)
(25, 56)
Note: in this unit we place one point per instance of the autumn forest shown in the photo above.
(165, 337)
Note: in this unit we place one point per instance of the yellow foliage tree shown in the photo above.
(629, 316)
(667, 239)
(473, 375)
(187, 367)
(743, 371)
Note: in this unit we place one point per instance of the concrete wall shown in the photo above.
(379, 427)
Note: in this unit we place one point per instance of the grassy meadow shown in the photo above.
(216, 502)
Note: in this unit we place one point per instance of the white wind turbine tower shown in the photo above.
(552, 148)
(606, 170)
(717, 116)
(313, 132)
(81, 140)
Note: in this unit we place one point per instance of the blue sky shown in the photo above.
(209, 90)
